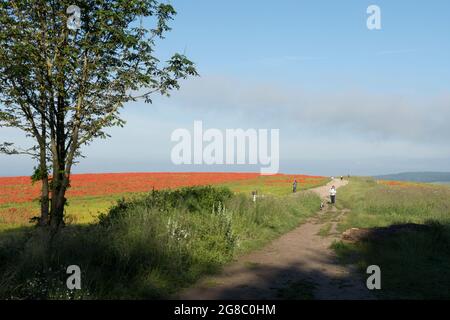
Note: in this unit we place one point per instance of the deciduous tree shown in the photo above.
(67, 67)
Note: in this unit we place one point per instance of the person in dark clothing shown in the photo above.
(294, 186)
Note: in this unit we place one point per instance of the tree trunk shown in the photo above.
(45, 189)
(57, 213)
(45, 208)
(59, 188)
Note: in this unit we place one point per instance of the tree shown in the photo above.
(67, 67)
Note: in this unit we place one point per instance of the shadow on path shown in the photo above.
(298, 265)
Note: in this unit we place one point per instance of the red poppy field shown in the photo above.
(90, 194)
(20, 189)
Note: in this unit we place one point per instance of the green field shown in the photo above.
(82, 210)
(273, 185)
(414, 264)
(149, 247)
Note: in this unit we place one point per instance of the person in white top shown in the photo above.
(333, 195)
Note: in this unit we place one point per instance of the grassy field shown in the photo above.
(446, 183)
(141, 245)
(414, 265)
(147, 248)
(150, 245)
(80, 210)
(279, 185)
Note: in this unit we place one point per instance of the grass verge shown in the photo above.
(414, 264)
(146, 248)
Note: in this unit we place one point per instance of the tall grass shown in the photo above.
(147, 248)
(414, 265)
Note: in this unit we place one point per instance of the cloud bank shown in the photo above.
(415, 118)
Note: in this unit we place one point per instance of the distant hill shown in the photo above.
(417, 176)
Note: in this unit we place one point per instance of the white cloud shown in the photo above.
(320, 132)
(410, 118)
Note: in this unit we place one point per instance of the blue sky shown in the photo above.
(346, 99)
(307, 42)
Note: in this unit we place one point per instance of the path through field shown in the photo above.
(298, 265)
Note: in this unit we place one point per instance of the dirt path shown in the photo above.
(298, 265)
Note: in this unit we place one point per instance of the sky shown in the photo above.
(346, 99)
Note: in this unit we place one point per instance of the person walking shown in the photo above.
(294, 186)
(333, 195)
